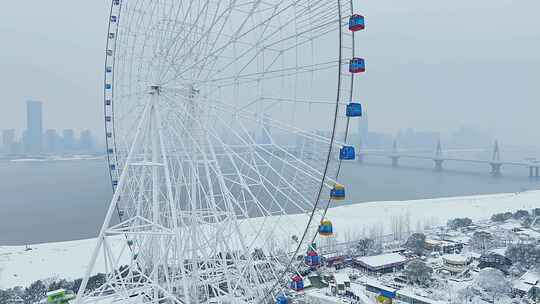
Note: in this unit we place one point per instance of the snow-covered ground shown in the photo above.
(20, 267)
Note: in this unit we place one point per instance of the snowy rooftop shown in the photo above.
(530, 277)
(410, 294)
(455, 258)
(341, 278)
(459, 239)
(376, 283)
(501, 251)
(510, 225)
(522, 286)
(382, 259)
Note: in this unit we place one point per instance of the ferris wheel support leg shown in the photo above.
(110, 211)
(155, 196)
(169, 187)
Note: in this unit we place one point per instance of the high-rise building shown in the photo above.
(8, 141)
(51, 141)
(68, 140)
(86, 142)
(34, 126)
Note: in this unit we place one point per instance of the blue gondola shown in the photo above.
(312, 259)
(297, 283)
(326, 228)
(107, 102)
(116, 2)
(109, 52)
(282, 299)
(347, 153)
(115, 183)
(114, 19)
(107, 118)
(354, 109)
(356, 23)
(108, 134)
(113, 167)
(338, 192)
(108, 69)
(357, 65)
(108, 86)
(110, 151)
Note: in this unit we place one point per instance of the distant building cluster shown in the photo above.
(35, 140)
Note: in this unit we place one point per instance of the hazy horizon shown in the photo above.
(431, 66)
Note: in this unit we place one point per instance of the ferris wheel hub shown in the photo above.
(155, 89)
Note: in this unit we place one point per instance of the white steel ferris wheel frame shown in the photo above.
(149, 286)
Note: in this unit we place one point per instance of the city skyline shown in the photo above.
(35, 139)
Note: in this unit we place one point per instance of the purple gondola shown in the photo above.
(357, 65)
(356, 23)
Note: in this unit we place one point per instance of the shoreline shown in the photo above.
(68, 259)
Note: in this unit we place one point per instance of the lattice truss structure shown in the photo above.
(223, 119)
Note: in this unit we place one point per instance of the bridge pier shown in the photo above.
(495, 169)
(395, 160)
(438, 164)
(534, 172)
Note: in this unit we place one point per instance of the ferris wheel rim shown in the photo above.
(110, 131)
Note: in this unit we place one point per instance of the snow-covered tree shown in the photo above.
(366, 246)
(60, 284)
(523, 255)
(534, 294)
(493, 282)
(464, 295)
(418, 272)
(520, 214)
(416, 243)
(35, 292)
(501, 217)
(459, 223)
(482, 241)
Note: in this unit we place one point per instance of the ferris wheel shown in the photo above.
(226, 126)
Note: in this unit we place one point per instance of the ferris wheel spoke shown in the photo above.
(246, 247)
(199, 61)
(284, 231)
(283, 72)
(222, 183)
(177, 40)
(238, 35)
(271, 44)
(246, 163)
(221, 18)
(274, 171)
(245, 114)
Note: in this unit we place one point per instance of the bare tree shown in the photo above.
(493, 282)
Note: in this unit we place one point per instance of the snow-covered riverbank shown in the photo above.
(20, 267)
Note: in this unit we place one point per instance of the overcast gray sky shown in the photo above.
(432, 65)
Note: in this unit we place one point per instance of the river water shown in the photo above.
(66, 200)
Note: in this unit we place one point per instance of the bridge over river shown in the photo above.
(494, 164)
